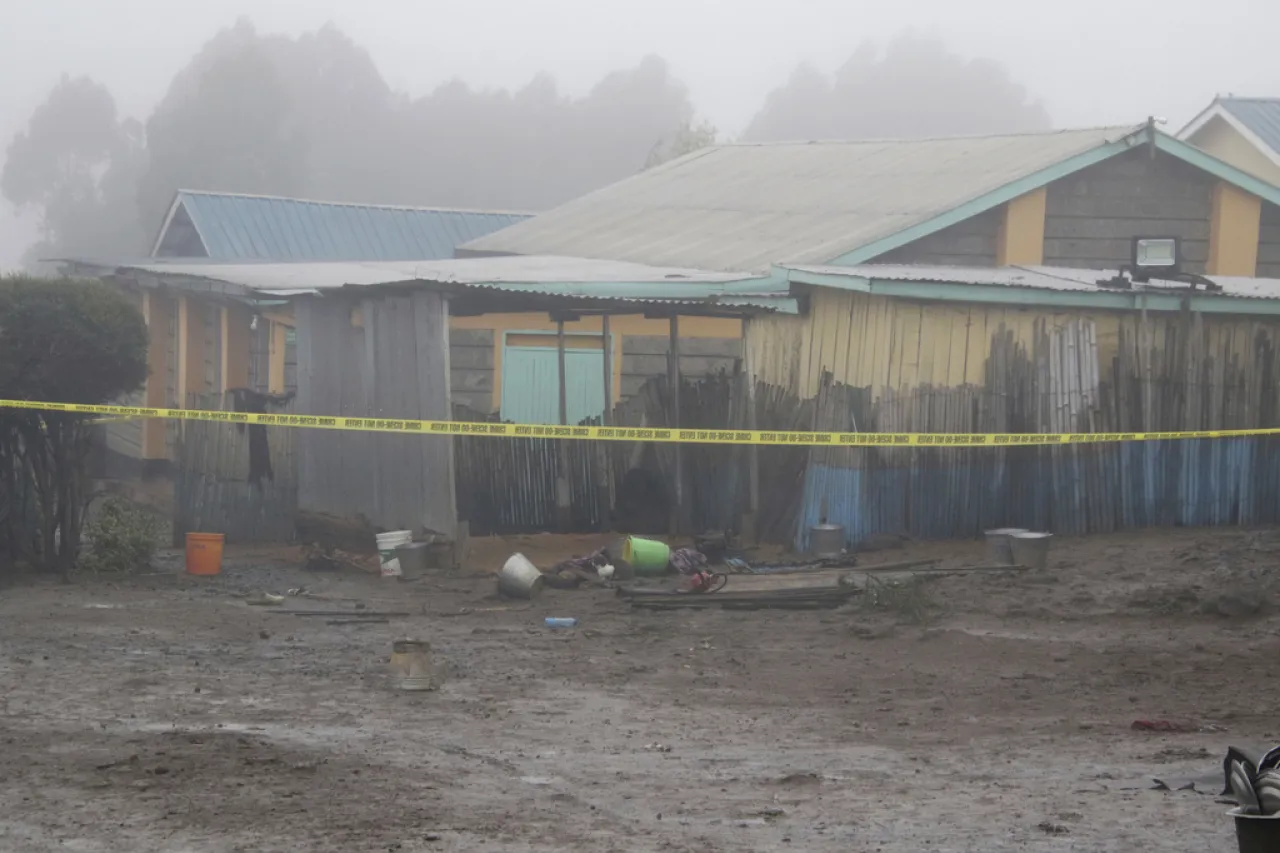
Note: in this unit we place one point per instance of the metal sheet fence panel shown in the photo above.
(1061, 374)
(212, 491)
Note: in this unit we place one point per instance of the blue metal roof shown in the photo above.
(1260, 115)
(264, 228)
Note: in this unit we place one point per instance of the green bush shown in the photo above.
(66, 341)
(122, 538)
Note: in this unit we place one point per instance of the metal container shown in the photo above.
(999, 551)
(519, 578)
(1030, 549)
(411, 665)
(827, 539)
(413, 560)
(1256, 833)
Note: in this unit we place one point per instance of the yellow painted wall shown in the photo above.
(157, 310)
(237, 346)
(1021, 238)
(1224, 142)
(619, 327)
(192, 379)
(1234, 226)
(276, 357)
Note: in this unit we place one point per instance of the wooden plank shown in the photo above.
(432, 318)
(679, 517)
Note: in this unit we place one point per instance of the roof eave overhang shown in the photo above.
(1143, 136)
(989, 200)
(179, 199)
(1218, 111)
(1032, 298)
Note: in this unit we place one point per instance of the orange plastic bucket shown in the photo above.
(204, 553)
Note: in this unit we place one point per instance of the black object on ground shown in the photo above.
(791, 567)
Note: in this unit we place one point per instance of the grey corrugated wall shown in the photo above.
(396, 366)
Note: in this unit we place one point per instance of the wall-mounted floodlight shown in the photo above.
(1158, 257)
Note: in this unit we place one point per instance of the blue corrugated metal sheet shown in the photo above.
(1185, 483)
(1260, 115)
(262, 228)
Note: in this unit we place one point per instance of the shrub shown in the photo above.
(122, 537)
(65, 341)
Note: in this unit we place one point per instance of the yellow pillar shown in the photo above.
(275, 366)
(1021, 240)
(190, 350)
(237, 343)
(1233, 231)
(157, 310)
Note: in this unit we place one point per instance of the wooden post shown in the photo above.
(564, 505)
(564, 393)
(157, 310)
(237, 344)
(607, 349)
(604, 449)
(276, 357)
(750, 523)
(673, 384)
(190, 350)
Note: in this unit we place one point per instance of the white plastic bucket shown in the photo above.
(387, 545)
(519, 578)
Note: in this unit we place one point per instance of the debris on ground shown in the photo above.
(1173, 726)
(358, 612)
(1005, 716)
(520, 578)
(1254, 783)
(793, 779)
(318, 558)
(794, 565)
(799, 598)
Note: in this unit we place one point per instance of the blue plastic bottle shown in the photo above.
(561, 622)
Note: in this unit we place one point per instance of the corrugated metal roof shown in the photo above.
(247, 227)
(1040, 278)
(1260, 115)
(744, 207)
(570, 278)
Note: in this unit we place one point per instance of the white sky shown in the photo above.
(1091, 61)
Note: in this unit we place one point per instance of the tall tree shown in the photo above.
(536, 148)
(76, 166)
(689, 138)
(312, 117)
(916, 88)
(228, 123)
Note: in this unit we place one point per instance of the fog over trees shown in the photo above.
(312, 117)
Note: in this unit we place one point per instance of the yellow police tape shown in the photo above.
(603, 433)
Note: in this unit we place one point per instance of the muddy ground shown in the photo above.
(974, 713)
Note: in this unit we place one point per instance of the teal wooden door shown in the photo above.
(531, 384)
